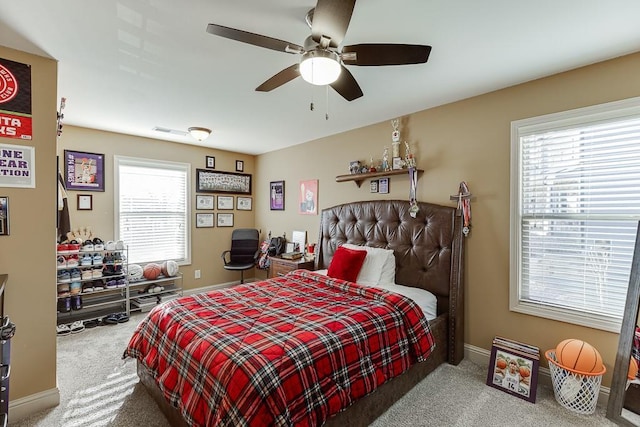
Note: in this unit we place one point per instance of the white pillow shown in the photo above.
(423, 298)
(379, 267)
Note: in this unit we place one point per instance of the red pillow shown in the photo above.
(346, 264)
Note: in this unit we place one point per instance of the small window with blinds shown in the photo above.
(152, 201)
(575, 207)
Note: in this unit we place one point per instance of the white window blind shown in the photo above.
(152, 199)
(575, 214)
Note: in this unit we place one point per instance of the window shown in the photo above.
(152, 200)
(575, 206)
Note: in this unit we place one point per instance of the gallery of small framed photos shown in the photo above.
(222, 203)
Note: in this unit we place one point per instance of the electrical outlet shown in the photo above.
(197, 274)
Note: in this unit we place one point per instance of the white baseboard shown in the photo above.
(481, 357)
(25, 406)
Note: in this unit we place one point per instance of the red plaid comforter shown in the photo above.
(291, 350)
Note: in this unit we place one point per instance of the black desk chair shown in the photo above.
(245, 243)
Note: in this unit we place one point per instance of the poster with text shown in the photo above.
(17, 166)
(15, 100)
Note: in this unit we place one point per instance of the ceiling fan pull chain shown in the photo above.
(326, 115)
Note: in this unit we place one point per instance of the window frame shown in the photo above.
(556, 121)
(161, 164)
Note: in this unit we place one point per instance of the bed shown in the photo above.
(428, 253)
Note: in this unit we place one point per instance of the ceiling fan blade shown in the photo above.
(254, 39)
(279, 79)
(385, 54)
(331, 19)
(347, 86)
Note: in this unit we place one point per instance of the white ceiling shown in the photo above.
(130, 65)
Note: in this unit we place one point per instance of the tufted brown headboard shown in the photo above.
(428, 250)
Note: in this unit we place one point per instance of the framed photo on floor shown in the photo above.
(513, 368)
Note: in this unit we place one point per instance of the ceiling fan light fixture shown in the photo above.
(320, 66)
(199, 133)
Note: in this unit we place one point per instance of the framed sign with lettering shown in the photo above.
(17, 166)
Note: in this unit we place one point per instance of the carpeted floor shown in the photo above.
(97, 388)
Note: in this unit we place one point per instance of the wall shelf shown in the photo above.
(359, 177)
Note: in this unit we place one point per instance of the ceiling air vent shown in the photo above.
(171, 131)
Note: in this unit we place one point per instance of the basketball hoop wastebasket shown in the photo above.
(574, 390)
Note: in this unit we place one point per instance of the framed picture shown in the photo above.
(396, 163)
(373, 186)
(308, 197)
(225, 202)
(354, 166)
(222, 182)
(276, 190)
(204, 202)
(210, 162)
(225, 220)
(85, 202)
(383, 185)
(83, 171)
(4, 216)
(17, 163)
(243, 203)
(204, 220)
(513, 369)
(239, 166)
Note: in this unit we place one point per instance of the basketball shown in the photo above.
(169, 268)
(578, 355)
(633, 369)
(134, 271)
(151, 271)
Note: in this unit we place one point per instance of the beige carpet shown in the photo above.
(97, 388)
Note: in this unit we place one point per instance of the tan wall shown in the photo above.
(467, 140)
(27, 255)
(206, 243)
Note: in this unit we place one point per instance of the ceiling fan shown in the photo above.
(322, 61)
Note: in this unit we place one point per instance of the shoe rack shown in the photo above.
(91, 281)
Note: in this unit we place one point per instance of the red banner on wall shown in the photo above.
(15, 100)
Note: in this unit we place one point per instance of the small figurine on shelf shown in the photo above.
(385, 159)
(372, 168)
(409, 160)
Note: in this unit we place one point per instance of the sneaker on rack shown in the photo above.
(86, 260)
(110, 246)
(76, 302)
(64, 305)
(111, 284)
(64, 277)
(98, 285)
(121, 283)
(87, 246)
(98, 244)
(97, 259)
(76, 288)
(72, 261)
(87, 287)
(74, 246)
(62, 248)
(96, 273)
(87, 274)
(63, 291)
(75, 275)
(62, 262)
(119, 245)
